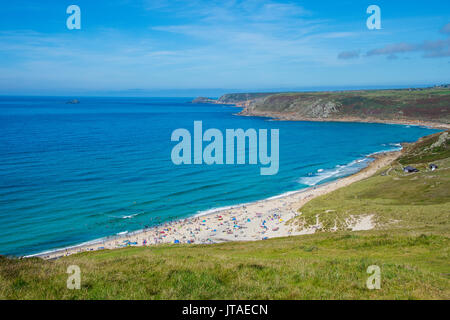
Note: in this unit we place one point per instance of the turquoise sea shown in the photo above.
(71, 173)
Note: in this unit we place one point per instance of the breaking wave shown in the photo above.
(323, 175)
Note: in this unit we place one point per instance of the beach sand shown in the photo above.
(258, 220)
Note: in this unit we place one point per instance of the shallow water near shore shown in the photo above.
(74, 173)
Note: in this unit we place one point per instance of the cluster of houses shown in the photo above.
(409, 169)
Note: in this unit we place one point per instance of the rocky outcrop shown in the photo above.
(204, 100)
(320, 109)
(284, 107)
(242, 98)
(239, 99)
(442, 139)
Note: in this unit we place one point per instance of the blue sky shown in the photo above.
(154, 47)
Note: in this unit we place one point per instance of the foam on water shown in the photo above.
(338, 171)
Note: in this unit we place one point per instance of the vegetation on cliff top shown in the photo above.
(418, 201)
(427, 105)
(430, 104)
(241, 97)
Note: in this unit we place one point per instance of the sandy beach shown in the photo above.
(258, 220)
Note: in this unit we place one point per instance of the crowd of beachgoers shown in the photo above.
(260, 220)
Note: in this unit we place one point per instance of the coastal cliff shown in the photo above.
(429, 106)
(238, 99)
(204, 100)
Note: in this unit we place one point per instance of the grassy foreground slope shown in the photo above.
(410, 245)
(418, 201)
(322, 266)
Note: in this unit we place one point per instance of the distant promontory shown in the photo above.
(421, 106)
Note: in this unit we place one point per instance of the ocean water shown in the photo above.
(75, 173)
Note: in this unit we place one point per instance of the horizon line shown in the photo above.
(118, 93)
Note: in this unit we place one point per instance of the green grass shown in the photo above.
(396, 199)
(410, 245)
(323, 266)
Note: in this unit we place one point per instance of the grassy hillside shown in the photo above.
(431, 104)
(410, 245)
(396, 199)
(322, 266)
